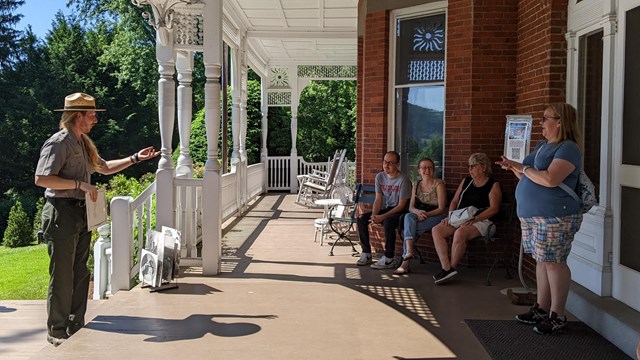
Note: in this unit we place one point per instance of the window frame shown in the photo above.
(424, 10)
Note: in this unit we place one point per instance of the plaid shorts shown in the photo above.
(548, 239)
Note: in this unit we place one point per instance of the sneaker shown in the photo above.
(553, 325)
(444, 275)
(55, 341)
(365, 259)
(385, 263)
(534, 316)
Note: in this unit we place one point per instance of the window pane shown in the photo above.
(631, 110)
(419, 126)
(420, 49)
(590, 101)
(629, 246)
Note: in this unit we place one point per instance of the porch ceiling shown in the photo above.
(298, 31)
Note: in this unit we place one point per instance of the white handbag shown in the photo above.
(458, 217)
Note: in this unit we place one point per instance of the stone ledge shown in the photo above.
(611, 318)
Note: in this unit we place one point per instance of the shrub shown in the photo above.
(19, 230)
(120, 185)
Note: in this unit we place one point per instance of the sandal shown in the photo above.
(407, 257)
(401, 271)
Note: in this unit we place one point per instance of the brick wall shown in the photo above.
(371, 130)
(480, 88)
(541, 67)
(503, 57)
(359, 110)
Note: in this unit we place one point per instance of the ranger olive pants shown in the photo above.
(64, 223)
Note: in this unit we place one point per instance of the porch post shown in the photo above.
(264, 152)
(165, 54)
(244, 161)
(235, 107)
(212, 181)
(184, 65)
(294, 136)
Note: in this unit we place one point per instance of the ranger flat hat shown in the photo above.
(79, 102)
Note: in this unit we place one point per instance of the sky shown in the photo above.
(39, 14)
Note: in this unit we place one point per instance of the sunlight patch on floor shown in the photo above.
(407, 298)
(287, 269)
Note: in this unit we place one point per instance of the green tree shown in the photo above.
(327, 119)
(18, 232)
(279, 133)
(8, 34)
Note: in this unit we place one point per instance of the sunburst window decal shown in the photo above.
(279, 77)
(429, 38)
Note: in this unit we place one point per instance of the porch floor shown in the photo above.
(280, 296)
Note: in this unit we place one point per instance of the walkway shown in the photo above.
(280, 297)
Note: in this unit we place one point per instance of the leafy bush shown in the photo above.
(8, 200)
(120, 185)
(19, 232)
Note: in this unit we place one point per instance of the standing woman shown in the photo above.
(549, 216)
(426, 209)
(67, 160)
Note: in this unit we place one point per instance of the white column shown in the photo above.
(235, 107)
(264, 152)
(244, 73)
(184, 65)
(212, 181)
(243, 182)
(165, 202)
(295, 101)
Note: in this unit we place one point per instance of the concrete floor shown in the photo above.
(280, 296)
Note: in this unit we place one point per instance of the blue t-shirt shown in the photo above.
(538, 200)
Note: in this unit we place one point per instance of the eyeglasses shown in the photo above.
(545, 118)
(385, 162)
(426, 168)
(471, 166)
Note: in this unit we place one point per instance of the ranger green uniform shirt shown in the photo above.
(65, 156)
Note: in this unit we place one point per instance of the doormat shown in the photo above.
(509, 339)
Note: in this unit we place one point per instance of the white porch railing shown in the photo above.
(279, 168)
(131, 220)
(188, 217)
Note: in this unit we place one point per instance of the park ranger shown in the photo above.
(67, 160)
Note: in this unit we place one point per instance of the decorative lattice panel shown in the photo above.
(188, 29)
(327, 71)
(426, 70)
(279, 98)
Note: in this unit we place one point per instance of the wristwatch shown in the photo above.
(524, 168)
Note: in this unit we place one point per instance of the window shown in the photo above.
(419, 90)
(590, 101)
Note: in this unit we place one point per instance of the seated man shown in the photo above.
(393, 191)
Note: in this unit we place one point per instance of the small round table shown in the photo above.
(320, 224)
